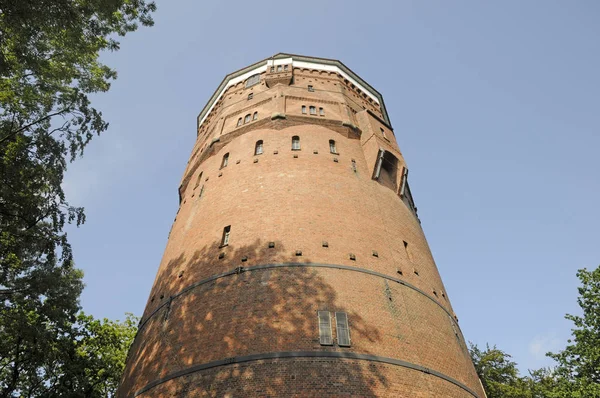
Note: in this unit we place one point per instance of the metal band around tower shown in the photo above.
(239, 270)
(303, 354)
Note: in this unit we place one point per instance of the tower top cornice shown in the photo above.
(297, 61)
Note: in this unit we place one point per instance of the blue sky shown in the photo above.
(496, 107)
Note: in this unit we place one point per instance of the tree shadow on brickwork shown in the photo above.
(241, 313)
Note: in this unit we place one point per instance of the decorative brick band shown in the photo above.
(303, 354)
(239, 270)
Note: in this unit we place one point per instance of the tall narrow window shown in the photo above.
(313, 110)
(295, 143)
(225, 239)
(279, 68)
(321, 111)
(407, 250)
(255, 116)
(258, 148)
(225, 160)
(272, 69)
(343, 331)
(247, 118)
(250, 96)
(332, 148)
(239, 123)
(198, 180)
(285, 67)
(386, 169)
(311, 88)
(325, 334)
(304, 109)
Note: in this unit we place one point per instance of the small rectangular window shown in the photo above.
(250, 96)
(321, 111)
(325, 334)
(313, 110)
(295, 143)
(279, 68)
(304, 109)
(285, 67)
(311, 88)
(225, 239)
(272, 69)
(343, 332)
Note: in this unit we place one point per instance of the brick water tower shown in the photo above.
(296, 265)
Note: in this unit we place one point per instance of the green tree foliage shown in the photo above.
(49, 65)
(498, 373)
(578, 367)
(86, 360)
(577, 374)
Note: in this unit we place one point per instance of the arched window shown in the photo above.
(313, 110)
(198, 180)
(252, 80)
(258, 148)
(247, 118)
(239, 122)
(225, 160)
(250, 96)
(332, 148)
(321, 111)
(386, 169)
(295, 143)
(304, 109)
(255, 116)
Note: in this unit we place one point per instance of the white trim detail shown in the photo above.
(295, 64)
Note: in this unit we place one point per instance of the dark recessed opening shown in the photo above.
(271, 245)
(244, 259)
(221, 255)
(325, 244)
(298, 252)
(352, 257)
(375, 254)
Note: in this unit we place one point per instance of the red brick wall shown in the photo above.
(298, 200)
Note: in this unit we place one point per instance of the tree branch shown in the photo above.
(12, 134)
